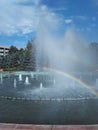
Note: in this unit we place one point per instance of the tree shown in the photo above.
(11, 60)
(6, 61)
(12, 50)
(21, 56)
(29, 56)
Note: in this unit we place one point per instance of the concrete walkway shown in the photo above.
(4, 126)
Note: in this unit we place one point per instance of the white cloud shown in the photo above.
(21, 17)
(48, 17)
(24, 2)
(43, 8)
(15, 18)
(68, 21)
(37, 2)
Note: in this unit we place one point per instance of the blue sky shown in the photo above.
(19, 19)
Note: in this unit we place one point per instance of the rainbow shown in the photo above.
(92, 90)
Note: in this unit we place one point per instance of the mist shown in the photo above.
(67, 52)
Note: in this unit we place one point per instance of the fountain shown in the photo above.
(1, 78)
(15, 83)
(41, 86)
(20, 77)
(42, 95)
(27, 80)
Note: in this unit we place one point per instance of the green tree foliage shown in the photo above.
(5, 62)
(21, 55)
(11, 60)
(25, 59)
(13, 50)
(22, 59)
(29, 56)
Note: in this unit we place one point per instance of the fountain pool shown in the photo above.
(44, 98)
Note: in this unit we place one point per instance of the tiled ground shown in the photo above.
(46, 127)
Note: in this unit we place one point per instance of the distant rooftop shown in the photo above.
(3, 46)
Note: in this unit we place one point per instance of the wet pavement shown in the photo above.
(4, 126)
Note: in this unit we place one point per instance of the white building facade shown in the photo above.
(4, 50)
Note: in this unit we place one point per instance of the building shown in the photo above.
(4, 50)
